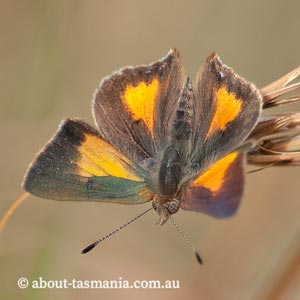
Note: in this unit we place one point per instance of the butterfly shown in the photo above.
(158, 138)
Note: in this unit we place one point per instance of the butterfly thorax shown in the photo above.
(165, 206)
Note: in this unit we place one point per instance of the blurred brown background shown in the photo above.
(53, 55)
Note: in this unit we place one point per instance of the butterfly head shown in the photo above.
(165, 207)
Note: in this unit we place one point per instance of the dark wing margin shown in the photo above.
(219, 190)
(132, 108)
(77, 164)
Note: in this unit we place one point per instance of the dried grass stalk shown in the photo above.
(276, 138)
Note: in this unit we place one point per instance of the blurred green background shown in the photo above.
(53, 55)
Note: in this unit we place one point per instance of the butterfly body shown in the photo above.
(158, 137)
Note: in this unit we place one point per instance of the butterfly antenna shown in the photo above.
(12, 209)
(198, 257)
(93, 245)
(262, 168)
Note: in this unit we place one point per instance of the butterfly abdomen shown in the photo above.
(183, 117)
(175, 155)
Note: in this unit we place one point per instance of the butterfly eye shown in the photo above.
(172, 206)
(155, 205)
(168, 205)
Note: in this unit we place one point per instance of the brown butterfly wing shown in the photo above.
(132, 108)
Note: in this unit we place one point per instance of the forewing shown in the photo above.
(227, 107)
(218, 191)
(77, 164)
(132, 108)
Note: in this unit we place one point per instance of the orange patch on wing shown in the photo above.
(98, 158)
(227, 109)
(213, 178)
(140, 100)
